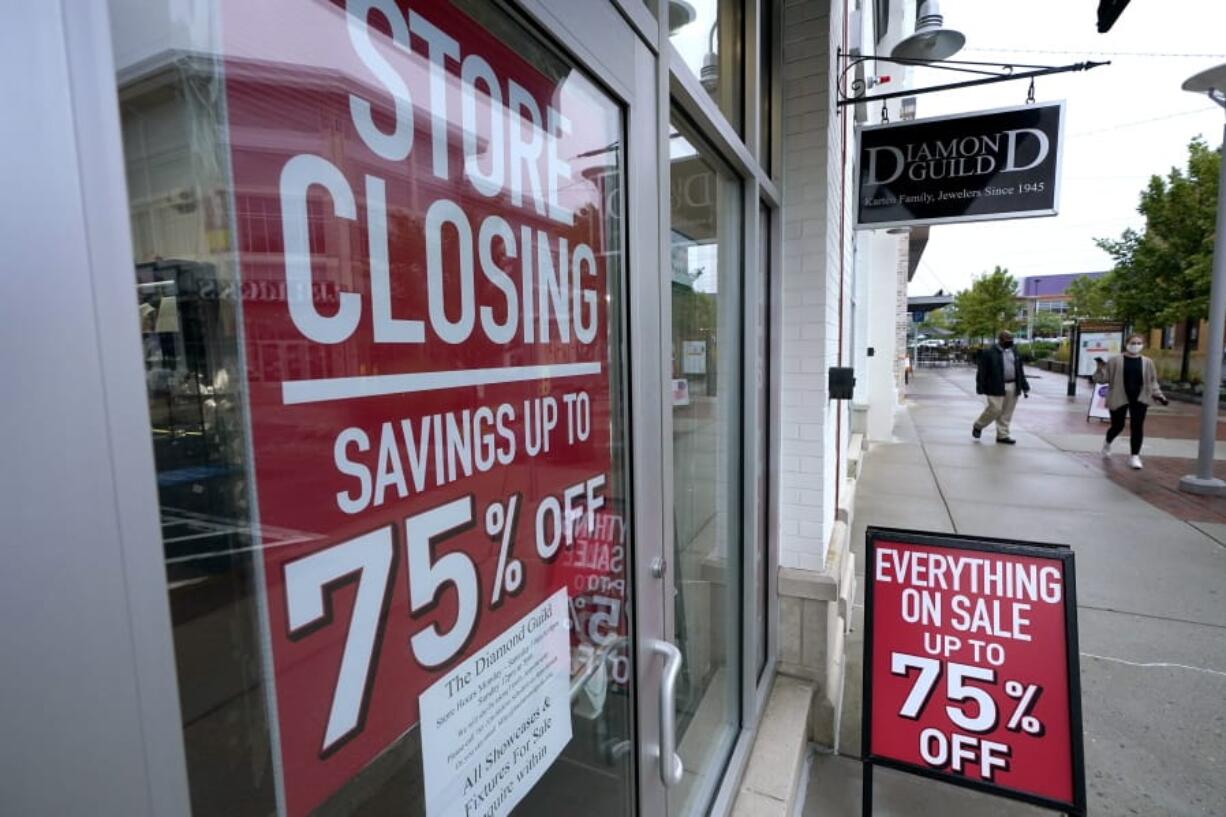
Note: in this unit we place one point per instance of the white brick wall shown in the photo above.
(902, 320)
(812, 168)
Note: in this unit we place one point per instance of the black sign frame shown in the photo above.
(983, 544)
(861, 190)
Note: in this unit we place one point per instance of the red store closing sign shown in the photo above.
(431, 438)
(971, 665)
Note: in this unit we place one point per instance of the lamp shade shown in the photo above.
(931, 40)
(1212, 79)
(680, 13)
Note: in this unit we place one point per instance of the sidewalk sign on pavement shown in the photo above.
(992, 624)
(1098, 403)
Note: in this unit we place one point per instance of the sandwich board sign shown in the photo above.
(1098, 402)
(971, 672)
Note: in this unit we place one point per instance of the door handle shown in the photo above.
(671, 767)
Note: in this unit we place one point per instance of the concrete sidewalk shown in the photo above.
(1151, 592)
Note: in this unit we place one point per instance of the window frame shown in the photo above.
(115, 596)
(681, 91)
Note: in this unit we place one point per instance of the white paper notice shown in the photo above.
(493, 725)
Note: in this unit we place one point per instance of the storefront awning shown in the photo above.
(915, 248)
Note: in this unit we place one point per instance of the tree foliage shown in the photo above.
(1047, 324)
(1091, 298)
(943, 321)
(1162, 273)
(989, 306)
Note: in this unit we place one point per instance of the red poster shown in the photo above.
(971, 664)
(426, 226)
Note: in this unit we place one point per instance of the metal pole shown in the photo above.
(866, 789)
(1073, 340)
(1204, 482)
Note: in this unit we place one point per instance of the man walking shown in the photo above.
(1000, 378)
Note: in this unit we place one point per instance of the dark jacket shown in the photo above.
(990, 379)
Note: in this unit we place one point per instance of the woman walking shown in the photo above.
(1133, 381)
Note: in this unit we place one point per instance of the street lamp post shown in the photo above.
(1073, 359)
(1213, 84)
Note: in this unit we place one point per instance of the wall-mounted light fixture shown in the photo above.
(931, 40)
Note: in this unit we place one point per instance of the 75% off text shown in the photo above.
(432, 569)
(966, 751)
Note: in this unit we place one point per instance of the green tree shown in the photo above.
(989, 306)
(1091, 298)
(1047, 325)
(1162, 273)
(943, 321)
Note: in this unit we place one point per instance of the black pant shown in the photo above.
(1137, 410)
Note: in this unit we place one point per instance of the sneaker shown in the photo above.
(1006, 441)
(1135, 462)
(976, 432)
(1106, 450)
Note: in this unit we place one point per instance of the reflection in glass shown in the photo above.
(706, 345)
(708, 34)
(210, 255)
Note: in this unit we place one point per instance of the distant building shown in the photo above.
(1047, 293)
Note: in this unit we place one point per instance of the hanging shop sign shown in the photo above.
(969, 167)
(971, 666)
(428, 389)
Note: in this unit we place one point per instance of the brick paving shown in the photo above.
(1178, 421)
(1157, 484)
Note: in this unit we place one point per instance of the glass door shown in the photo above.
(393, 373)
(706, 341)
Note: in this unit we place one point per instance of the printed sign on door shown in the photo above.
(437, 431)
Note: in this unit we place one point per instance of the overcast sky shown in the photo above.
(1125, 121)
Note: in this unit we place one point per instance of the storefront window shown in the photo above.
(379, 265)
(709, 36)
(706, 353)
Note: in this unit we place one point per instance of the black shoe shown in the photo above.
(1006, 441)
(976, 432)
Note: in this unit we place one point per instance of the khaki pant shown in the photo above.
(999, 411)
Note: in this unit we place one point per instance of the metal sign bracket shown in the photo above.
(987, 73)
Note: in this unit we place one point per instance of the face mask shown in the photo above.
(1135, 348)
(1006, 344)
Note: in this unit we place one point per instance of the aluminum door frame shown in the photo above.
(680, 90)
(594, 31)
(92, 722)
